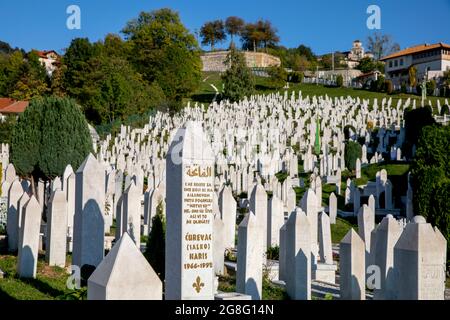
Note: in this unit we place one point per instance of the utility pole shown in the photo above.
(317, 75)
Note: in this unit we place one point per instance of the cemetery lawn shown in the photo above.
(340, 229)
(49, 284)
(206, 93)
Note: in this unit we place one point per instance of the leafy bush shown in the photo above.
(297, 77)
(388, 87)
(445, 110)
(278, 77)
(353, 151)
(238, 80)
(273, 253)
(403, 88)
(156, 244)
(431, 87)
(339, 80)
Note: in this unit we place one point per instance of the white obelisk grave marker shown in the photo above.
(189, 198)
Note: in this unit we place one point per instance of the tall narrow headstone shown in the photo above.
(189, 197)
(28, 252)
(275, 221)
(332, 208)
(228, 208)
(282, 254)
(387, 235)
(218, 245)
(12, 227)
(352, 267)
(131, 222)
(298, 256)
(55, 253)
(89, 225)
(371, 204)
(124, 274)
(258, 205)
(69, 189)
(308, 204)
(250, 257)
(325, 247)
(366, 223)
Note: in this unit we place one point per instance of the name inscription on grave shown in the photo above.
(197, 215)
(432, 282)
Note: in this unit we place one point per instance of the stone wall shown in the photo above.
(215, 61)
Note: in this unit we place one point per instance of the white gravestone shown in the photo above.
(250, 257)
(124, 274)
(189, 197)
(89, 236)
(352, 267)
(28, 252)
(56, 246)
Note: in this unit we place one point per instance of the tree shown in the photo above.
(213, 32)
(381, 45)
(49, 135)
(234, 26)
(155, 250)
(278, 77)
(353, 151)
(412, 76)
(259, 34)
(431, 87)
(33, 81)
(306, 52)
(237, 80)
(415, 121)
(339, 80)
(367, 65)
(158, 39)
(430, 178)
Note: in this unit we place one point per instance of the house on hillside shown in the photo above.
(10, 107)
(430, 60)
(50, 60)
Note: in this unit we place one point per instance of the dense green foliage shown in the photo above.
(51, 133)
(353, 151)
(278, 77)
(213, 32)
(238, 80)
(155, 251)
(6, 128)
(415, 120)
(164, 51)
(368, 64)
(430, 173)
(339, 80)
(22, 76)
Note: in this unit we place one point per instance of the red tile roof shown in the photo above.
(416, 49)
(11, 106)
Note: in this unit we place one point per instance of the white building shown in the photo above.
(433, 59)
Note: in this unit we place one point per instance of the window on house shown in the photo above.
(396, 63)
(390, 64)
(401, 62)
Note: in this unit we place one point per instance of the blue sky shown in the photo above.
(324, 25)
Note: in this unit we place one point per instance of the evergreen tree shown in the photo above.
(353, 151)
(49, 135)
(156, 243)
(238, 80)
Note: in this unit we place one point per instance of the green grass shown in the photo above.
(393, 169)
(49, 284)
(340, 229)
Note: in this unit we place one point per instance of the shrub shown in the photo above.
(297, 77)
(403, 88)
(353, 151)
(155, 251)
(431, 87)
(445, 110)
(339, 80)
(388, 87)
(273, 253)
(278, 77)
